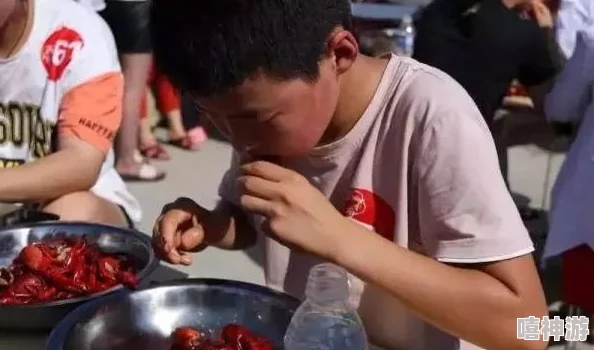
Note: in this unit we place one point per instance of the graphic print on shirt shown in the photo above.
(22, 125)
(58, 50)
(370, 209)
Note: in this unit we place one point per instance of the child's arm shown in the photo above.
(228, 228)
(479, 303)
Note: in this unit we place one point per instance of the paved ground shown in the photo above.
(197, 174)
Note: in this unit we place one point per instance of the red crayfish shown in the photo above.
(233, 337)
(59, 269)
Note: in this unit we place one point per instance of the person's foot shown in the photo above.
(154, 151)
(150, 147)
(190, 141)
(140, 171)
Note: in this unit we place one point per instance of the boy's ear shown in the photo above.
(343, 49)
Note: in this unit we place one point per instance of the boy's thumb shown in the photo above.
(192, 239)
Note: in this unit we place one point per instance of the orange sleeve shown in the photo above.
(92, 111)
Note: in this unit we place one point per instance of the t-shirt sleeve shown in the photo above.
(92, 111)
(92, 86)
(466, 213)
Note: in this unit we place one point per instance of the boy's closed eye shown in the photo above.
(253, 115)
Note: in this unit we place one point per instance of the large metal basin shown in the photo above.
(143, 320)
(110, 239)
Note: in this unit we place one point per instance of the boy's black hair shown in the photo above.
(210, 46)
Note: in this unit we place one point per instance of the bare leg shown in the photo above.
(136, 70)
(168, 101)
(150, 147)
(147, 138)
(85, 206)
(176, 125)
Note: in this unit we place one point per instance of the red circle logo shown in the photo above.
(369, 208)
(58, 50)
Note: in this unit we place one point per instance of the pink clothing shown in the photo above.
(420, 169)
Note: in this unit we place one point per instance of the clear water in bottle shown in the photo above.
(326, 321)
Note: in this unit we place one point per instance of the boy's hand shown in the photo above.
(179, 231)
(296, 213)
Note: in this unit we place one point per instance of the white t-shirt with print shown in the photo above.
(68, 47)
(95, 5)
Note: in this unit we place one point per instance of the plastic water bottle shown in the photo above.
(326, 321)
(405, 36)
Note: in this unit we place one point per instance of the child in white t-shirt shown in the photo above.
(60, 108)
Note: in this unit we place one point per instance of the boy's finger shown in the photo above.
(159, 244)
(191, 239)
(268, 171)
(156, 232)
(168, 227)
(185, 259)
(173, 257)
(258, 187)
(540, 7)
(257, 205)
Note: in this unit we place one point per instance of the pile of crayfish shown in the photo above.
(59, 269)
(233, 337)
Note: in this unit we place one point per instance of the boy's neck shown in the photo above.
(15, 31)
(357, 88)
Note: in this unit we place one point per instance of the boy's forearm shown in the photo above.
(467, 303)
(228, 228)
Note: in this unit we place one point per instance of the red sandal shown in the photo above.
(156, 151)
(192, 141)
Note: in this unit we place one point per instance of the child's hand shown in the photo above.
(179, 231)
(297, 214)
(542, 14)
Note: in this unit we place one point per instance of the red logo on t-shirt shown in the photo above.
(371, 209)
(58, 50)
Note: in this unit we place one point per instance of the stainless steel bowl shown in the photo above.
(143, 320)
(110, 239)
